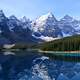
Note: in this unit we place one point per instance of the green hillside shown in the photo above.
(65, 44)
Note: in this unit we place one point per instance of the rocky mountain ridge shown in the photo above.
(44, 28)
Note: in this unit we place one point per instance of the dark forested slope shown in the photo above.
(65, 44)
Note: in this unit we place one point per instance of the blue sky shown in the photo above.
(35, 8)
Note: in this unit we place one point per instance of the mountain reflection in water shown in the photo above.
(25, 65)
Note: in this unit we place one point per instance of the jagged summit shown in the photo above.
(67, 18)
(49, 14)
(46, 25)
(45, 17)
(1, 12)
(24, 19)
(13, 17)
(2, 16)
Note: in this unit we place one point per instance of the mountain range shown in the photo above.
(44, 28)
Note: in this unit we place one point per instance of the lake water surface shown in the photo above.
(23, 65)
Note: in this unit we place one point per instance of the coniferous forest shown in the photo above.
(65, 44)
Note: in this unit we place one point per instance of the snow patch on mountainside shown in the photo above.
(45, 38)
(65, 35)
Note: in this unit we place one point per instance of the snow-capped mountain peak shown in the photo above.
(1, 12)
(67, 18)
(24, 19)
(45, 17)
(47, 26)
(13, 17)
(14, 20)
(2, 16)
(44, 21)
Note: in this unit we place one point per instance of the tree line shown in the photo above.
(65, 44)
